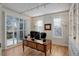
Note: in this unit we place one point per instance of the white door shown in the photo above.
(0, 31)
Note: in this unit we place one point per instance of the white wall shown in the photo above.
(27, 26)
(0, 30)
(49, 19)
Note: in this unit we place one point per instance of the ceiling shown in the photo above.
(36, 9)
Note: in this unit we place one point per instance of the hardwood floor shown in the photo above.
(59, 50)
(17, 51)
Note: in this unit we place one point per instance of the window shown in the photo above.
(57, 29)
(39, 25)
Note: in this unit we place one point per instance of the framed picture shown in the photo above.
(47, 26)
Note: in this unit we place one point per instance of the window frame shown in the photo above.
(61, 28)
(36, 26)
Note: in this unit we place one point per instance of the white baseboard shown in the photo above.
(61, 44)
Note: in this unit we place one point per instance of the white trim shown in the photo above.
(61, 44)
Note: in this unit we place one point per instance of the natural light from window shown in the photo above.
(39, 25)
(57, 27)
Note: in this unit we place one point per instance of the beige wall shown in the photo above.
(49, 19)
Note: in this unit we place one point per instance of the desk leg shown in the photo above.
(45, 50)
(50, 50)
(45, 54)
(50, 47)
(23, 47)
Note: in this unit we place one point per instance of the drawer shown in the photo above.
(40, 47)
(31, 44)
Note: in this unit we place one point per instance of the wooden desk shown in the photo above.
(38, 46)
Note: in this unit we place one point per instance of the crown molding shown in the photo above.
(51, 13)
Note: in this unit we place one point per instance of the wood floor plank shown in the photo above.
(17, 51)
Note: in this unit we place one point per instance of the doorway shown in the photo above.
(14, 30)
